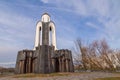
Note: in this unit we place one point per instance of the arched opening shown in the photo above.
(40, 35)
(52, 40)
(50, 36)
(57, 65)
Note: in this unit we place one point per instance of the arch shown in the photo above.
(57, 64)
(52, 27)
(50, 36)
(38, 34)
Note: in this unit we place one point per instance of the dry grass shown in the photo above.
(5, 74)
(2, 76)
(40, 75)
(46, 75)
(110, 78)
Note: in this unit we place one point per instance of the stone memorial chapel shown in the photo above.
(45, 57)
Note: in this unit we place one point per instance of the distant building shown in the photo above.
(44, 58)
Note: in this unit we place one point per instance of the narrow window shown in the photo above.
(40, 36)
(50, 36)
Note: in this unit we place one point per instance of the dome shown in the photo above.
(45, 17)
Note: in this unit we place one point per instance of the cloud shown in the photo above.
(7, 64)
(64, 43)
(106, 12)
(81, 7)
(98, 28)
(16, 32)
(15, 27)
(45, 1)
(77, 5)
(93, 25)
(98, 7)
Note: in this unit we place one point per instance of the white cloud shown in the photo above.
(64, 43)
(45, 1)
(106, 12)
(15, 28)
(81, 7)
(74, 6)
(92, 25)
(16, 32)
(11, 49)
(7, 64)
(98, 7)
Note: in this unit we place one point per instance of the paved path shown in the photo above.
(85, 76)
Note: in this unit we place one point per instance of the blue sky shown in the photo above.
(86, 19)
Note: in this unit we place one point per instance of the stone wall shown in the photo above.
(44, 60)
(62, 61)
(24, 62)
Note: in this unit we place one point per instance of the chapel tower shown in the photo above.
(45, 32)
(45, 57)
(45, 44)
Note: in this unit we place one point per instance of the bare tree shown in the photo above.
(96, 56)
(83, 53)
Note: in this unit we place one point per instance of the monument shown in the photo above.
(45, 57)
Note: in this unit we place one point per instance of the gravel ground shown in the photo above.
(86, 76)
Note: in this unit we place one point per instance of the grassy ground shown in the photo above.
(4, 74)
(110, 78)
(66, 75)
(40, 75)
(46, 75)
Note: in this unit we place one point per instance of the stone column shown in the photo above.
(17, 67)
(29, 63)
(60, 65)
(43, 66)
(19, 71)
(35, 68)
(53, 64)
(45, 33)
(71, 62)
(63, 64)
(49, 60)
(22, 66)
(67, 65)
(33, 63)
